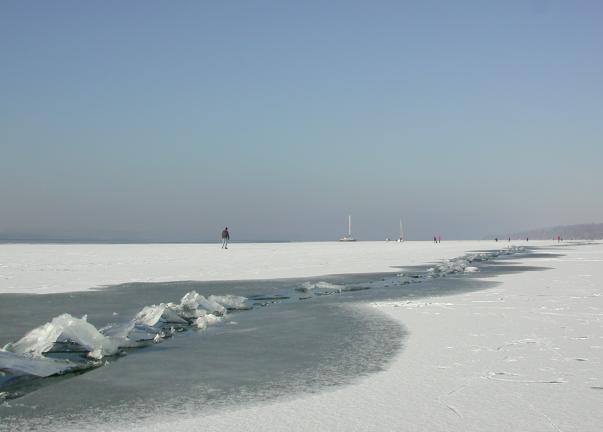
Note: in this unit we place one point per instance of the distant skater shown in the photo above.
(439, 239)
(225, 238)
(435, 239)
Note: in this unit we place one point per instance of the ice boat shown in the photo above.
(349, 237)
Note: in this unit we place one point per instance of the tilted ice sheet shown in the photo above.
(36, 366)
(65, 329)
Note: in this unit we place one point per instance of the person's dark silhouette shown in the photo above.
(225, 238)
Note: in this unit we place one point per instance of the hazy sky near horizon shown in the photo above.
(161, 120)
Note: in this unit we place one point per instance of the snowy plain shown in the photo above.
(522, 355)
(51, 268)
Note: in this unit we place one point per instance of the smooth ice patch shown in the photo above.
(36, 366)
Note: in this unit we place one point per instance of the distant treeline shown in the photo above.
(592, 231)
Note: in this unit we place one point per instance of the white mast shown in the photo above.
(401, 238)
(349, 237)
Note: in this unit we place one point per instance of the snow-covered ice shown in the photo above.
(46, 268)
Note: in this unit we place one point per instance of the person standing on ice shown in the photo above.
(225, 238)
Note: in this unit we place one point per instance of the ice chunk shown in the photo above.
(153, 323)
(193, 307)
(309, 286)
(194, 301)
(130, 334)
(36, 366)
(203, 321)
(68, 330)
(212, 306)
(231, 301)
(189, 307)
(159, 315)
(457, 265)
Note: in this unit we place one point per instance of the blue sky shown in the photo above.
(167, 120)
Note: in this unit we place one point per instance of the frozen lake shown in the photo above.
(302, 336)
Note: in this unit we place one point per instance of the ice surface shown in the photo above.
(65, 334)
(477, 349)
(156, 322)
